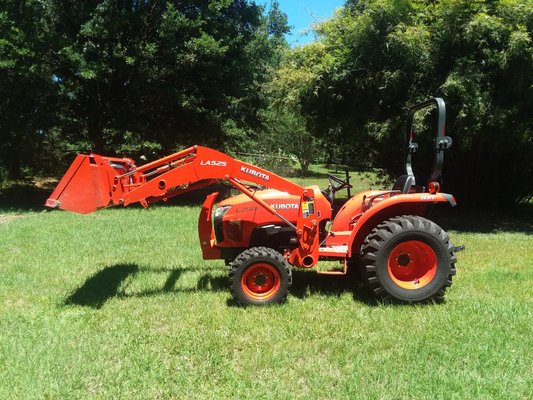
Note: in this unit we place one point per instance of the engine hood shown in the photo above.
(275, 198)
(237, 218)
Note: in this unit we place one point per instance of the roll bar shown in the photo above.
(442, 142)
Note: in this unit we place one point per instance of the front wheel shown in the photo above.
(260, 276)
(408, 258)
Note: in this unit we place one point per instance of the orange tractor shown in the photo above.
(275, 224)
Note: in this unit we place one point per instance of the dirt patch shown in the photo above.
(7, 218)
(45, 183)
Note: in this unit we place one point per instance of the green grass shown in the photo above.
(120, 304)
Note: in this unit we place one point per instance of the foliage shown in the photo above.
(144, 78)
(119, 76)
(286, 133)
(27, 98)
(285, 127)
(376, 58)
(3, 177)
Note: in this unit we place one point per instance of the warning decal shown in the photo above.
(308, 208)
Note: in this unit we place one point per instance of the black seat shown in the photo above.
(328, 195)
(404, 183)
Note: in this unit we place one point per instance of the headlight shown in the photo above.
(217, 222)
(220, 211)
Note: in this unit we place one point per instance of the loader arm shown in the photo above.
(94, 182)
(197, 164)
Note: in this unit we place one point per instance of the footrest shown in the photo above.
(336, 272)
(333, 251)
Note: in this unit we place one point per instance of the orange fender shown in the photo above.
(404, 204)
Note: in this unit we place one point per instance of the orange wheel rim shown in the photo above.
(260, 281)
(412, 264)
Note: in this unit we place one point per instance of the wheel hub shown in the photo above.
(403, 259)
(412, 264)
(260, 281)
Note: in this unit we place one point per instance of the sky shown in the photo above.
(301, 13)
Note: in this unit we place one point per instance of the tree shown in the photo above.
(129, 77)
(282, 129)
(286, 134)
(170, 71)
(284, 123)
(25, 84)
(380, 57)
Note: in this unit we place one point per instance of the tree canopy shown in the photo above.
(146, 77)
(374, 59)
(130, 76)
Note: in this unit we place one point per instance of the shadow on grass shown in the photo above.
(519, 220)
(206, 283)
(24, 197)
(308, 283)
(105, 285)
(102, 286)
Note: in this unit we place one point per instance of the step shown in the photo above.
(333, 251)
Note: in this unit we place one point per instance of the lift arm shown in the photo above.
(93, 182)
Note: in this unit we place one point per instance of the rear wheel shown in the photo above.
(408, 258)
(260, 276)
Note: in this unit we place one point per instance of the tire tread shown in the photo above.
(377, 238)
(250, 254)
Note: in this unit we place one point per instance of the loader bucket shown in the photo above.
(88, 183)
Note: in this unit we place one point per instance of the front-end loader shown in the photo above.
(275, 224)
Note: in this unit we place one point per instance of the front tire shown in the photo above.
(408, 258)
(260, 276)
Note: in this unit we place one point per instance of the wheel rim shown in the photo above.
(260, 281)
(412, 264)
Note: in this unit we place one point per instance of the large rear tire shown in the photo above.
(260, 276)
(408, 258)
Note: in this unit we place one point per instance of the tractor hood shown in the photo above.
(241, 206)
(236, 218)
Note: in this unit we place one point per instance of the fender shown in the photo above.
(415, 204)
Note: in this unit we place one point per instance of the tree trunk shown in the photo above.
(304, 165)
(13, 164)
(97, 120)
(96, 135)
(95, 130)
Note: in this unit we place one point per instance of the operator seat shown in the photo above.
(327, 195)
(404, 183)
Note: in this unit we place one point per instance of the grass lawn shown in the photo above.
(120, 304)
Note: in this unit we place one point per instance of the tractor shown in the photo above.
(274, 224)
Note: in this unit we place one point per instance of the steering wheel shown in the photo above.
(337, 184)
